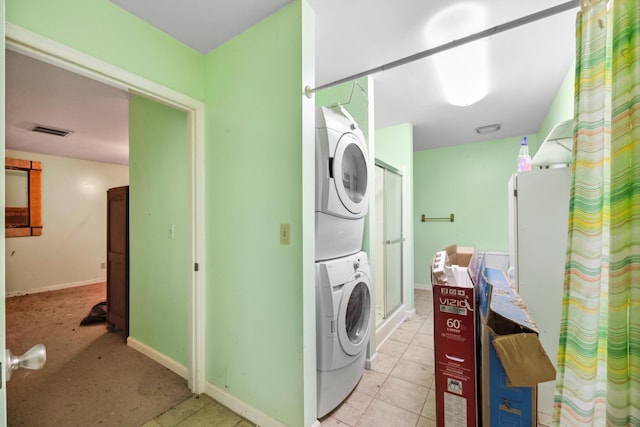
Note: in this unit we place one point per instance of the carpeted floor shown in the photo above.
(91, 377)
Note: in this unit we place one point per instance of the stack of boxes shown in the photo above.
(487, 353)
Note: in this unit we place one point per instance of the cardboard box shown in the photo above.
(512, 360)
(454, 324)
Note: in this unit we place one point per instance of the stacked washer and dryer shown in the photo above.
(343, 285)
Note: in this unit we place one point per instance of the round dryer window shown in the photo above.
(353, 317)
(350, 173)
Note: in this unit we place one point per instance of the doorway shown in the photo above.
(388, 273)
(42, 49)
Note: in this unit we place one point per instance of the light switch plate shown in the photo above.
(285, 238)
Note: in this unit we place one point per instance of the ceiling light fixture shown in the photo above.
(488, 129)
(463, 71)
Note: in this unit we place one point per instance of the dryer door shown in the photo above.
(350, 173)
(354, 315)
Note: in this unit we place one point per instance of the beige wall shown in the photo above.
(72, 248)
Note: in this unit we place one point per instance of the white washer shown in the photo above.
(343, 318)
(341, 184)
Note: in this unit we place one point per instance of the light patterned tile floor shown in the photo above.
(398, 392)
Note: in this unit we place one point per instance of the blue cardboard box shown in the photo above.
(512, 360)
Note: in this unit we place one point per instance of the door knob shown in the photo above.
(34, 358)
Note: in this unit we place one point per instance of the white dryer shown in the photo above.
(343, 317)
(341, 184)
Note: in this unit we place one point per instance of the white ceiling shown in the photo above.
(527, 64)
(38, 93)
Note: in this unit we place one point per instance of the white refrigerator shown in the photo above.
(538, 217)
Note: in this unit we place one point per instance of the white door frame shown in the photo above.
(36, 46)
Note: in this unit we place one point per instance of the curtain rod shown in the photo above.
(455, 43)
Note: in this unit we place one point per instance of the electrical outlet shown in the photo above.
(285, 237)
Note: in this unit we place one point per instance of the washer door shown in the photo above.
(350, 173)
(354, 316)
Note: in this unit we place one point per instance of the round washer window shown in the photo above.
(354, 173)
(357, 316)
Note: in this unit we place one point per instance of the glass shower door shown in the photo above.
(393, 240)
(379, 267)
(388, 228)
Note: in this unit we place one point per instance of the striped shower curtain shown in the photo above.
(598, 379)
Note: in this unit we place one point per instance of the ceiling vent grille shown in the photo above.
(488, 129)
(51, 130)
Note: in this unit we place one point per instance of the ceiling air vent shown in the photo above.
(51, 130)
(488, 129)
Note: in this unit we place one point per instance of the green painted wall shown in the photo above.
(103, 30)
(255, 286)
(258, 292)
(159, 227)
(471, 181)
(562, 106)
(394, 146)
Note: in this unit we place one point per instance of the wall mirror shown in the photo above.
(23, 198)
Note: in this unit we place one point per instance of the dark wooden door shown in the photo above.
(118, 260)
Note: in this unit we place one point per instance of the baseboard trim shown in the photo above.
(54, 287)
(241, 408)
(156, 356)
(422, 286)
